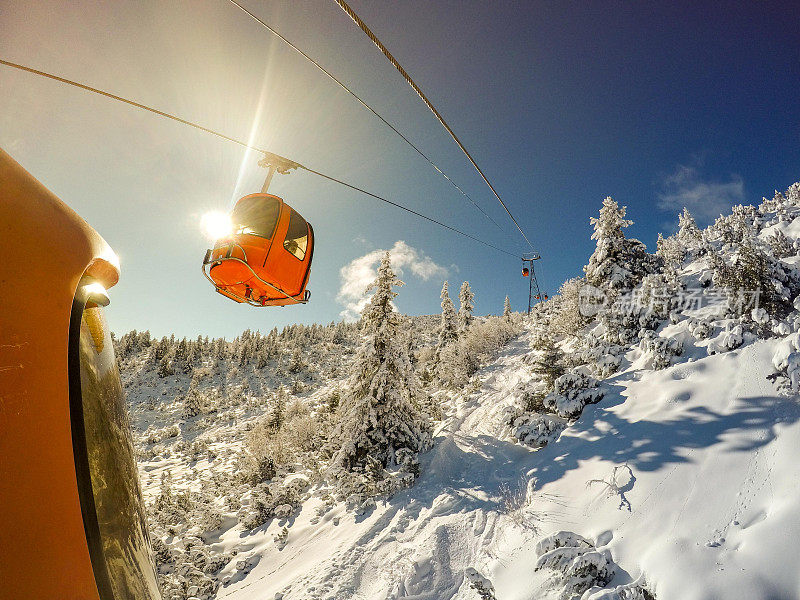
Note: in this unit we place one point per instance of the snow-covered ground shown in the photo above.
(687, 475)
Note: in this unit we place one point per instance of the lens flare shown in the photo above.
(216, 224)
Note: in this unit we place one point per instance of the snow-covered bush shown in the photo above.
(566, 318)
(728, 340)
(265, 500)
(534, 429)
(621, 324)
(578, 564)
(661, 350)
(672, 252)
(658, 294)
(571, 392)
(786, 362)
(780, 245)
(200, 402)
(154, 436)
(187, 566)
(287, 435)
(700, 329)
(481, 342)
(603, 359)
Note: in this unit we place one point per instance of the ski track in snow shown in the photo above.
(417, 544)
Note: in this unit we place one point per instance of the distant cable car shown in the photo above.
(525, 272)
(266, 259)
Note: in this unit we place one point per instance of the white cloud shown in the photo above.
(705, 200)
(360, 272)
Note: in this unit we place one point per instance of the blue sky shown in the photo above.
(562, 104)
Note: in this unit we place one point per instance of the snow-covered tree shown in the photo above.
(688, 232)
(448, 327)
(567, 318)
(672, 251)
(466, 306)
(296, 363)
(379, 420)
(734, 228)
(507, 308)
(780, 245)
(793, 194)
(165, 366)
(617, 263)
(752, 271)
(547, 366)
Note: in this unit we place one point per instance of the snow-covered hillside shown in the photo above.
(637, 440)
(687, 476)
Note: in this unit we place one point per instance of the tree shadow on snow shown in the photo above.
(599, 433)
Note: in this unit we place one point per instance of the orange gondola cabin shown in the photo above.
(525, 272)
(266, 259)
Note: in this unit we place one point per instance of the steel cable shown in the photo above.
(365, 105)
(363, 26)
(241, 143)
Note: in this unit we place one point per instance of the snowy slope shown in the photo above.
(707, 510)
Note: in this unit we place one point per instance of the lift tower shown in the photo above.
(534, 293)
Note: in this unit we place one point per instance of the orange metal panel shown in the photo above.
(48, 247)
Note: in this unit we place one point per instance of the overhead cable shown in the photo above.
(241, 143)
(368, 32)
(365, 105)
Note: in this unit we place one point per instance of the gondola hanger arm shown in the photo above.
(276, 163)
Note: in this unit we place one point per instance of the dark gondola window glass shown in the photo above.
(118, 502)
(297, 236)
(256, 216)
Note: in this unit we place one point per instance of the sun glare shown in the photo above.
(216, 224)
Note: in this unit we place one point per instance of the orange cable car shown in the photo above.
(73, 523)
(525, 272)
(266, 260)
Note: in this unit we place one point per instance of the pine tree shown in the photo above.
(547, 366)
(568, 319)
(278, 412)
(780, 245)
(753, 271)
(617, 262)
(688, 232)
(466, 306)
(181, 350)
(192, 403)
(165, 366)
(448, 329)
(296, 363)
(379, 417)
(221, 350)
(507, 308)
(672, 251)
